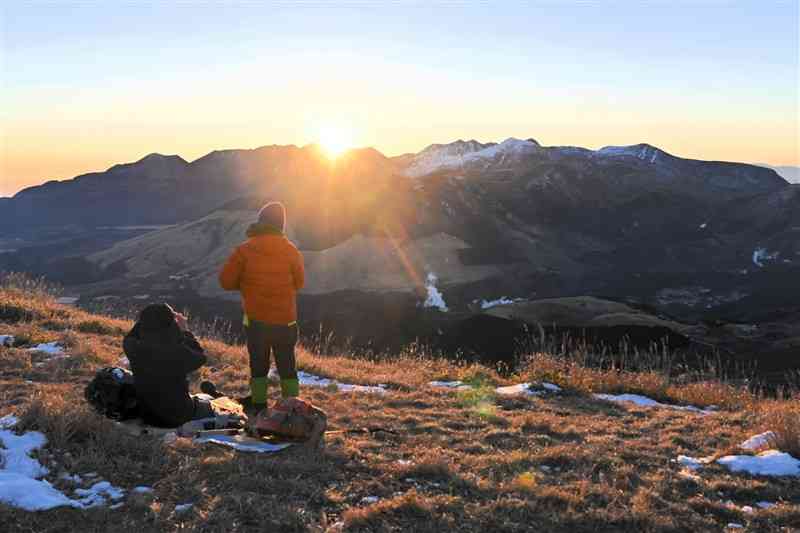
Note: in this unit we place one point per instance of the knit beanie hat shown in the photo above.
(273, 214)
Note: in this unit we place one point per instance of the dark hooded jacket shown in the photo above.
(161, 355)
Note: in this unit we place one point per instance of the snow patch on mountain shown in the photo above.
(761, 255)
(503, 300)
(645, 152)
(435, 298)
(461, 153)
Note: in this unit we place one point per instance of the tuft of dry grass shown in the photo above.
(783, 418)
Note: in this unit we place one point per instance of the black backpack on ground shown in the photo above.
(112, 393)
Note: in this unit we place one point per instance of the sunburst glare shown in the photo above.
(335, 140)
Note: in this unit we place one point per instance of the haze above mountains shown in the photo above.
(789, 173)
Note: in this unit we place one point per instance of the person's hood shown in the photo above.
(156, 317)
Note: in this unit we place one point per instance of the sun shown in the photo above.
(335, 140)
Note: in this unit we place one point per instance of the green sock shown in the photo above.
(290, 387)
(258, 390)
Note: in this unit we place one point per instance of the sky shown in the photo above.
(85, 85)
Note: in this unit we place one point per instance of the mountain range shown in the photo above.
(473, 221)
(164, 189)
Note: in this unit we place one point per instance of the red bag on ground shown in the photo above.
(292, 418)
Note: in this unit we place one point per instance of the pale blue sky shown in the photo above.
(90, 83)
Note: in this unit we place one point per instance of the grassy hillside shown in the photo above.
(467, 460)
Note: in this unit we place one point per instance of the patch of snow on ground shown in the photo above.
(141, 489)
(51, 348)
(99, 493)
(520, 388)
(769, 463)
(488, 304)
(734, 525)
(758, 442)
(76, 478)
(6, 340)
(20, 485)
(369, 499)
(529, 389)
(693, 463)
(310, 380)
(435, 298)
(16, 453)
(644, 401)
(765, 505)
(67, 300)
(457, 385)
(31, 494)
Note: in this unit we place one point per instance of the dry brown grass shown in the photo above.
(459, 462)
(571, 374)
(784, 419)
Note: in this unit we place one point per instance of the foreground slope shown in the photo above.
(470, 460)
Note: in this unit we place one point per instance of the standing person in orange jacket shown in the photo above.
(268, 271)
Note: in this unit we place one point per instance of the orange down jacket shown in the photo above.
(268, 271)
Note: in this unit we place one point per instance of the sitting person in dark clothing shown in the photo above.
(162, 351)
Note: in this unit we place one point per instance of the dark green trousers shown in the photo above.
(266, 340)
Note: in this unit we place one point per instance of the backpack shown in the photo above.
(293, 418)
(112, 393)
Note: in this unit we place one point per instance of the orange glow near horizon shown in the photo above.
(30, 156)
(392, 77)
